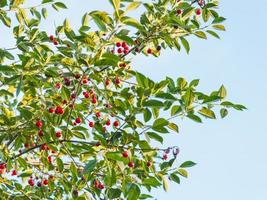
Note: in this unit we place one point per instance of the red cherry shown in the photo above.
(51, 110)
(119, 50)
(26, 145)
(179, 11)
(198, 11)
(117, 81)
(123, 44)
(84, 81)
(118, 44)
(125, 154)
(94, 100)
(51, 37)
(86, 95)
(55, 42)
(125, 51)
(40, 133)
(149, 51)
(108, 122)
(51, 177)
(73, 96)
(59, 110)
(49, 158)
(96, 183)
(158, 48)
(77, 76)
(58, 134)
(91, 124)
(58, 85)
(44, 147)
(31, 182)
(116, 123)
(101, 186)
(14, 173)
(2, 166)
(39, 184)
(67, 81)
(107, 82)
(148, 164)
(45, 182)
(131, 164)
(78, 120)
(98, 114)
(39, 123)
(64, 102)
(165, 157)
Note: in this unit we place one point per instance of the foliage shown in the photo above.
(77, 121)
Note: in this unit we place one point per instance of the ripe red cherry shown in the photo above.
(149, 51)
(125, 51)
(45, 182)
(39, 184)
(107, 82)
(2, 166)
(125, 154)
(91, 124)
(96, 183)
(39, 123)
(94, 100)
(179, 11)
(84, 81)
(44, 147)
(14, 173)
(40, 133)
(101, 186)
(55, 42)
(49, 158)
(123, 44)
(27, 145)
(148, 164)
(59, 110)
(98, 114)
(165, 157)
(198, 11)
(116, 123)
(131, 164)
(51, 110)
(51, 37)
(108, 122)
(78, 120)
(58, 134)
(117, 81)
(58, 85)
(77, 76)
(86, 95)
(31, 182)
(118, 44)
(119, 50)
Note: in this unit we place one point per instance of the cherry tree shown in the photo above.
(77, 120)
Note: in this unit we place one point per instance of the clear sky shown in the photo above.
(231, 153)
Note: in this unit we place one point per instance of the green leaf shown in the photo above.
(223, 112)
(147, 115)
(173, 127)
(114, 193)
(222, 92)
(183, 172)
(132, 6)
(194, 118)
(90, 166)
(200, 34)
(155, 136)
(116, 5)
(214, 34)
(175, 110)
(152, 181)
(175, 178)
(185, 44)
(165, 183)
(160, 122)
(60, 5)
(219, 27)
(153, 103)
(3, 3)
(44, 12)
(187, 164)
(60, 164)
(115, 156)
(207, 113)
(22, 162)
(133, 191)
(5, 19)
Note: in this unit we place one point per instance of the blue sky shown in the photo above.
(231, 153)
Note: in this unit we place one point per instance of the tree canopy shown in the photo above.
(77, 121)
